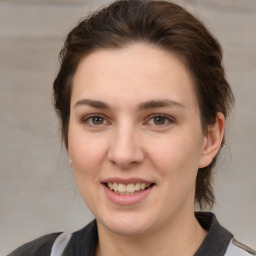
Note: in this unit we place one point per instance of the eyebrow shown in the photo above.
(159, 104)
(92, 103)
(142, 106)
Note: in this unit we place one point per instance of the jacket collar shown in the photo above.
(84, 241)
(217, 239)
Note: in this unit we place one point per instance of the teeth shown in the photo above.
(110, 185)
(122, 188)
(115, 187)
(142, 186)
(137, 186)
(129, 189)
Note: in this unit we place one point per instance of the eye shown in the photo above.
(160, 120)
(95, 120)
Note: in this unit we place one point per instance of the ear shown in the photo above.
(212, 141)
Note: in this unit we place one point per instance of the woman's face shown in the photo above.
(135, 138)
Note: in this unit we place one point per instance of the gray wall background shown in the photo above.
(37, 190)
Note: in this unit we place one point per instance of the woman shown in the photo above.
(142, 99)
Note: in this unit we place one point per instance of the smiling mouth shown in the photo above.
(129, 189)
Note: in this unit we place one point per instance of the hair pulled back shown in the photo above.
(168, 27)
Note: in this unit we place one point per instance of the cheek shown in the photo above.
(86, 152)
(87, 157)
(176, 155)
(177, 166)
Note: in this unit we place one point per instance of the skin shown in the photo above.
(125, 140)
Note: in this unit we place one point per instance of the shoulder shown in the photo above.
(38, 247)
(239, 249)
(219, 241)
(43, 245)
(83, 241)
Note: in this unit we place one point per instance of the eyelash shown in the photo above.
(167, 120)
(90, 117)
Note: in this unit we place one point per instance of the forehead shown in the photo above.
(137, 72)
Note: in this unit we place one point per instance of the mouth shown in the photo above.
(128, 189)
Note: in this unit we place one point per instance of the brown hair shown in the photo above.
(167, 26)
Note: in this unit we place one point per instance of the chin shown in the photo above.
(127, 225)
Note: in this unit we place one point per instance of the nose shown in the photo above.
(125, 150)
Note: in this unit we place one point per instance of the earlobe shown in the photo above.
(212, 141)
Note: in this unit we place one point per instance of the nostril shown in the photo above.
(125, 154)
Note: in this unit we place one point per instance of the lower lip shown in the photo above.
(127, 199)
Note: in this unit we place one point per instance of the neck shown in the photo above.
(183, 236)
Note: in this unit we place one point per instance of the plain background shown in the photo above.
(37, 191)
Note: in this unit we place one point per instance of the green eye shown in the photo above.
(159, 120)
(96, 120)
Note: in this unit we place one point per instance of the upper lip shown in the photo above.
(126, 181)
